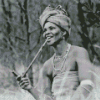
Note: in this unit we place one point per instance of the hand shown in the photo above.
(24, 82)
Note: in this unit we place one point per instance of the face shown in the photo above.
(53, 33)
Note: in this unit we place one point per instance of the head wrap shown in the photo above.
(57, 16)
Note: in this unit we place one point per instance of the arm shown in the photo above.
(84, 67)
(44, 83)
(43, 86)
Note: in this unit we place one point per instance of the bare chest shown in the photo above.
(63, 65)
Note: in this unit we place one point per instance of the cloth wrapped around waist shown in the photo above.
(64, 84)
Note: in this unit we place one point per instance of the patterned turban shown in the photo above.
(57, 16)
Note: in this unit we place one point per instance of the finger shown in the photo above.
(20, 78)
(23, 83)
(24, 86)
(24, 79)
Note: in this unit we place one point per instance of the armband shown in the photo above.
(87, 82)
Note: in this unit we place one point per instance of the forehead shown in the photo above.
(49, 24)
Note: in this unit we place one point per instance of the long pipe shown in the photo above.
(15, 73)
(34, 58)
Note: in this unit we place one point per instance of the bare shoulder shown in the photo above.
(79, 52)
(78, 49)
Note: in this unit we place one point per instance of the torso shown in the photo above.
(75, 69)
(69, 63)
(70, 69)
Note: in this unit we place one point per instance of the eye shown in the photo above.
(51, 28)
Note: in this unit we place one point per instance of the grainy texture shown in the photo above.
(21, 35)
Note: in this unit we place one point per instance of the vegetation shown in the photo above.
(21, 34)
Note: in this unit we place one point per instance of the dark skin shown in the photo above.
(78, 57)
(77, 60)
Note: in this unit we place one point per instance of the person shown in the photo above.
(67, 74)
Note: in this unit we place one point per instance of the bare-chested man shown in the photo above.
(68, 69)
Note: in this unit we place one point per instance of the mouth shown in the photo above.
(49, 38)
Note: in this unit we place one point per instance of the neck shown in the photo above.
(60, 48)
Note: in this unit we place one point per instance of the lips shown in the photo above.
(48, 37)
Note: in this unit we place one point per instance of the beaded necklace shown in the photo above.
(60, 60)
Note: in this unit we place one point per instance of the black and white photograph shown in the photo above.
(49, 50)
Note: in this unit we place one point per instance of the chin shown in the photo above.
(53, 43)
(50, 44)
